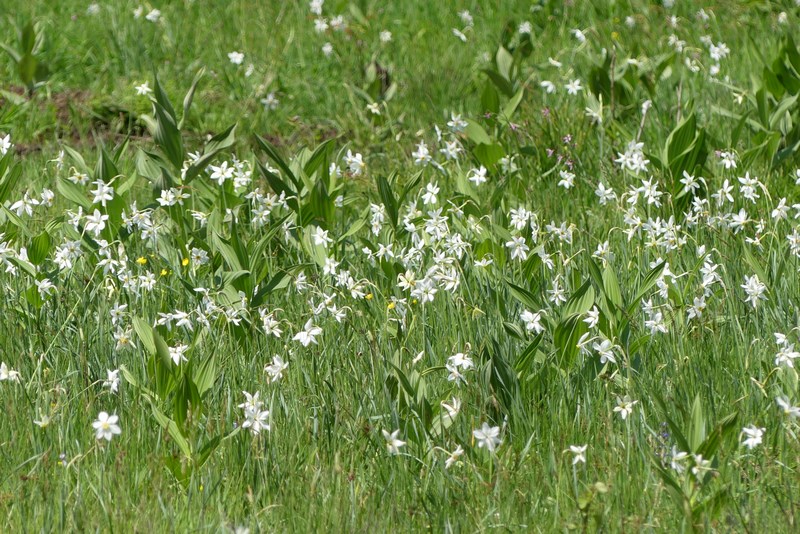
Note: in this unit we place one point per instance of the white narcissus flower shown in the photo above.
(701, 466)
(548, 86)
(625, 406)
(753, 436)
(422, 155)
(567, 179)
(477, 176)
(461, 360)
(106, 426)
(5, 144)
(143, 89)
(321, 25)
(96, 222)
(256, 421)
(754, 289)
(592, 317)
(431, 192)
(321, 237)
(315, 6)
(25, 205)
(355, 163)
(7, 373)
(392, 443)
(453, 408)
(112, 382)
(270, 102)
(605, 350)
(43, 421)
(252, 402)
(309, 334)
(236, 57)
(787, 408)
(487, 436)
(579, 453)
(221, 173)
(45, 287)
(519, 249)
(276, 368)
(533, 321)
(453, 457)
(178, 353)
(102, 193)
(573, 87)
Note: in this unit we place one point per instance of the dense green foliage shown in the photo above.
(446, 266)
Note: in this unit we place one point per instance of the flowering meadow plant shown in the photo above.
(333, 266)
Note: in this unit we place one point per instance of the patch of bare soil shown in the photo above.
(79, 121)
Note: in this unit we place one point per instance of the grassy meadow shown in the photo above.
(366, 266)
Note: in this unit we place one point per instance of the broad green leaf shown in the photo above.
(223, 247)
(26, 69)
(489, 154)
(9, 182)
(579, 302)
(387, 197)
(163, 100)
(105, 169)
(39, 248)
(168, 137)
(162, 350)
(206, 450)
(511, 105)
(681, 137)
(27, 38)
(504, 380)
(697, 425)
(73, 193)
(525, 360)
(611, 287)
(217, 144)
(172, 429)
(490, 101)
(500, 82)
(505, 62)
(145, 333)
(514, 330)
(11, 52)
(476, 133)
(279, 187)
(321, 204)
(675, 429)
(524, 296)
(649, 281)
(726, 427)
(274, 156)
(782, 109)
(566, 337)
(319, 158)
(187, 100)
(76, 157)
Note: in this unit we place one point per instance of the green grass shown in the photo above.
(184, 463)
